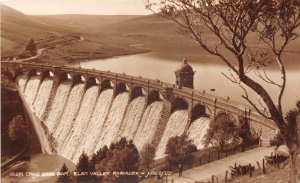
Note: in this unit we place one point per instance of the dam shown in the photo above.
(81, 110)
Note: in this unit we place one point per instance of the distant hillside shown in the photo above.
(17, 28)
(107, 36)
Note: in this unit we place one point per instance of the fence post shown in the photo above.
(258, 165)
(250, 170)
(226, 175)
(277, 161)
(264, 169)
(212, 179)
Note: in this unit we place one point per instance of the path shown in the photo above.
(218, 168)
(40, 51)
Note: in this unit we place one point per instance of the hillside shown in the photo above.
(106, 36)
(17, 28)
(48, 31)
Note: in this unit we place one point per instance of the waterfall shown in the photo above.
(69, 115)
(42, 97)
(132, 118)
(31, 90)
(92, 133)
(21, 82)
(114, 119)
(197, 130)
(148, 125)
(72, 143)
(58, 105)
(175, 126)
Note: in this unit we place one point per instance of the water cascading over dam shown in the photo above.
(114, 119)
(58, 104)
(43, 97)
(148, 125)
(93, 134)
(132, 118)
(175, 127)
(81, 123)
(84, 118)
(31, 90)
(68, 117)
(197, 131)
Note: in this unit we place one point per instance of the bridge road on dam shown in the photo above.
(196, 104)
(212, 103)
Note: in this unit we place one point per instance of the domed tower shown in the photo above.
(185, 75)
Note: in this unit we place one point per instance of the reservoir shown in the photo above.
(208, 76)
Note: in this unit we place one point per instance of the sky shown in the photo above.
(100, 7)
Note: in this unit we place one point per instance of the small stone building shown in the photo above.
(185, 75)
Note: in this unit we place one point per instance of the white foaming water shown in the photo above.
(93, 132)
(58, 105)
(148, 125)
(42, 97)
(114, 119)
(132, 118)
(197, 130)
(69, 115)
(31, 90)
(75, 138)
(175, 126)
(21, 81)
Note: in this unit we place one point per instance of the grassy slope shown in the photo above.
(18, 28)
(109, 36)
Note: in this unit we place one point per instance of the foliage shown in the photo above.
(222, 131)
(245, 132)
(178, 150)
(277, 140)
(293, 129)
(146, 157)
(120, 156)
(83, 166)
(16, 129)
(65, 176)
(31, 47)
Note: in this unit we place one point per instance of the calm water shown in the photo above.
(207, 76)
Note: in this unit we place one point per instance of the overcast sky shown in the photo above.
(102, 7)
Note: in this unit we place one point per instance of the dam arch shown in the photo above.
(179, 103)
(91, 81)
(137, 92)
(153, 96)
(120, 88)
(106, 84)
(198, 110)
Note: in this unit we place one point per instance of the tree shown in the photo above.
(83, 168)
(146, 157)
(245, 132)
(65, 175)
(178, 150)
(16, 129)
(121, 156)
(223, 130)
(31, 47)
(271, 22)
(232, 23)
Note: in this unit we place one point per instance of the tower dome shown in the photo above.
(185, 75)
(185, 67)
